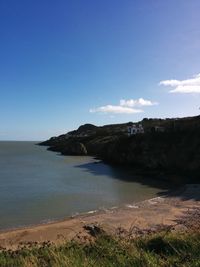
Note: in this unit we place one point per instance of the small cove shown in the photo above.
(37, 185)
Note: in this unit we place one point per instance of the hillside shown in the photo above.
(175, 149)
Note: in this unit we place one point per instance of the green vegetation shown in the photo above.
(160, 249)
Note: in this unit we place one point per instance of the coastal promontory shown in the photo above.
(164, 145)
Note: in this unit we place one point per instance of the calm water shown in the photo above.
(37, 185)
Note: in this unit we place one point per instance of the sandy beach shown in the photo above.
(165, 210)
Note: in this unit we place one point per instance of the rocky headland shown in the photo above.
(169, 146)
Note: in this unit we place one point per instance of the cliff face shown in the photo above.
(176, 150)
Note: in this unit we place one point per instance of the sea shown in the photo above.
(39, 186)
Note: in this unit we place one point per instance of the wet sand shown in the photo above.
(164, 210)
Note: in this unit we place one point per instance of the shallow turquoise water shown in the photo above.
(37, 185)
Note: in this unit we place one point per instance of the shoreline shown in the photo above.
(76, 215)
(161, 210)
(88, 213)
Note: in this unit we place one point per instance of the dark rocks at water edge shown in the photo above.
(164, 145)
(71, 147)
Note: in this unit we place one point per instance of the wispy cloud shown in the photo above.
(187, 86)
(129, 106)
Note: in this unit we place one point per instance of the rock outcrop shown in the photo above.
(74, 148)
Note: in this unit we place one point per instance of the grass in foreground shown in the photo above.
(163, 249)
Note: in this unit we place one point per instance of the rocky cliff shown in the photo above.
(176, 149)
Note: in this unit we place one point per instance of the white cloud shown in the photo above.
(116, 110)
(184, 86)
(136, 103)
(124, 107)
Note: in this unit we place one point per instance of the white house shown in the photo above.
(135, 129)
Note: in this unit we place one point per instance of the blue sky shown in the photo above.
(65, 63)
